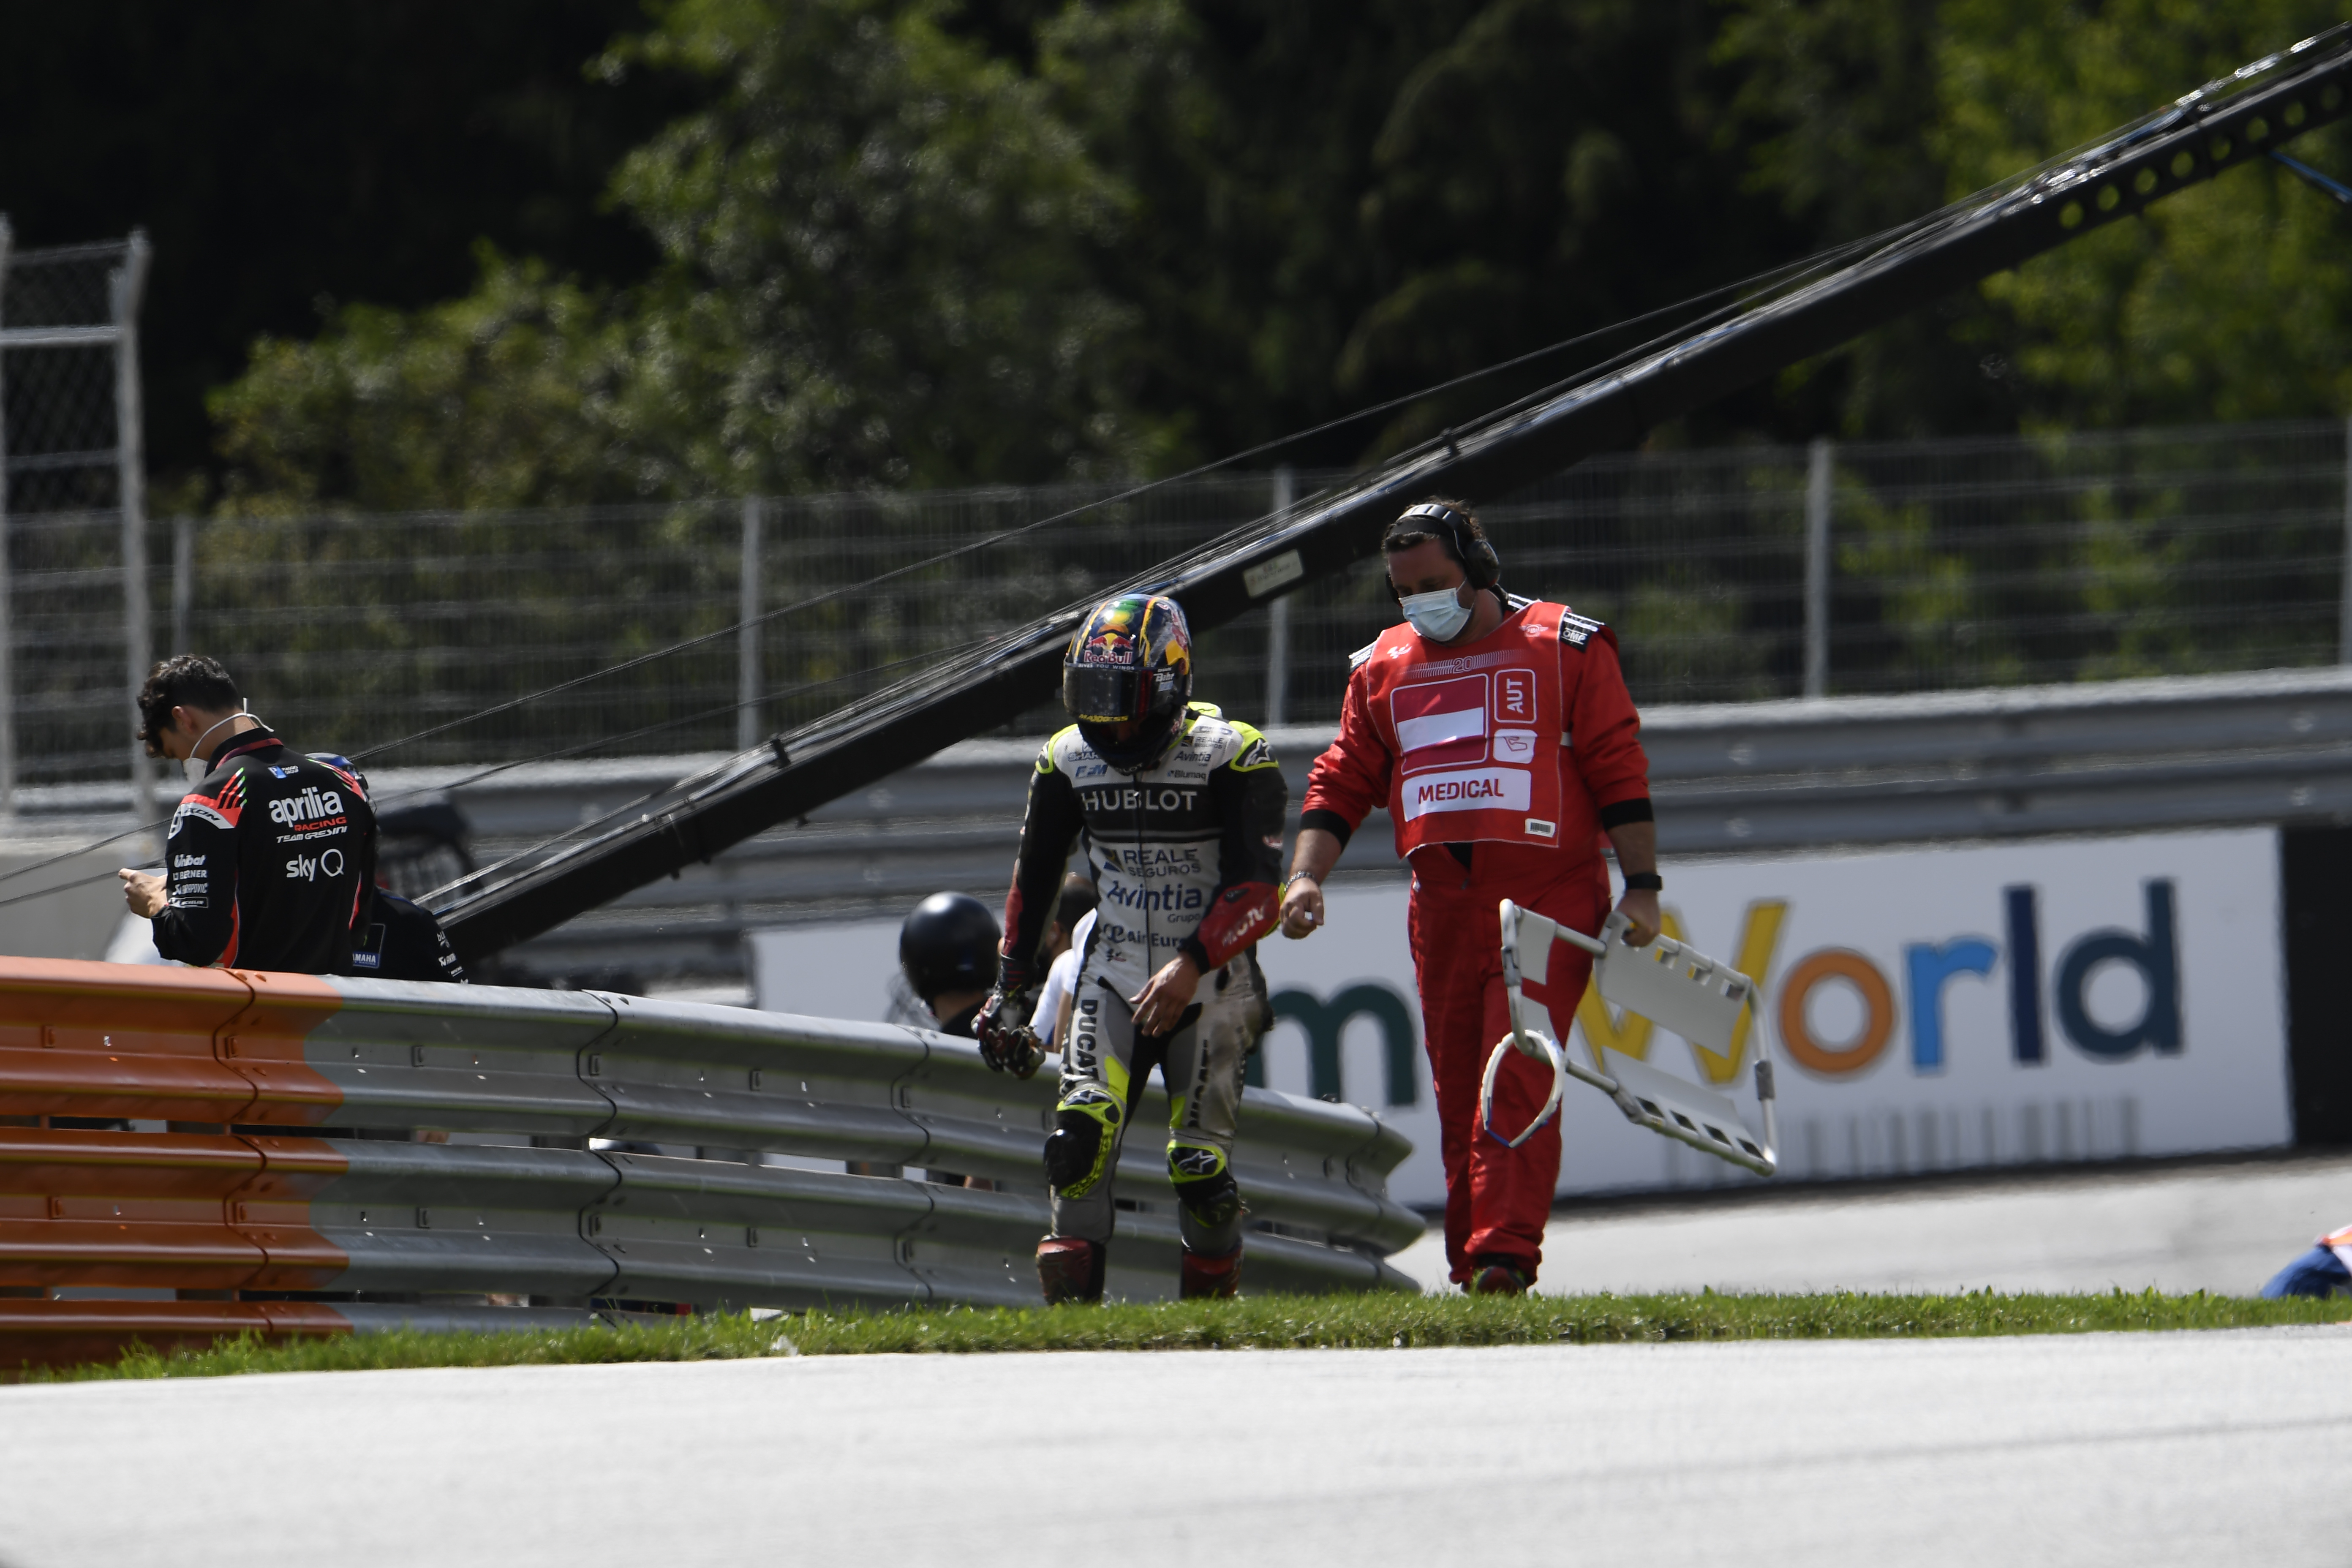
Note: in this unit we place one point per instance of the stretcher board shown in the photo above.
(1672, 984)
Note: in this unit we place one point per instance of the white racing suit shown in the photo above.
(1186, 856)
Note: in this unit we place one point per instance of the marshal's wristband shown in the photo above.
(1644, 882)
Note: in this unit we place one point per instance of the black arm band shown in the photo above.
(1626, 811)
(1644, 882)
(1332, 823)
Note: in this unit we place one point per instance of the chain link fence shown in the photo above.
(1939, 564)
(73, 572)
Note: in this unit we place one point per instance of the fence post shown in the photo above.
(747, 640)
(2344, 595)
(1817, 568)
(126, 286)
(184, 584)
(7, 587)
(1278, 615)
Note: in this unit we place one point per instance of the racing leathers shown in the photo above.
(1187, 856)
(270, 863)
(1501, 763)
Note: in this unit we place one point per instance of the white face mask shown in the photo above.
(1439, 616)
(194, 766)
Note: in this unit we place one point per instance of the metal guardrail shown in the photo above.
(241, 1195)
(2173, 751)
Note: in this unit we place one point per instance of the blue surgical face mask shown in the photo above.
(1439, 616)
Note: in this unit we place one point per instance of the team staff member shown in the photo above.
(271, 862)
(1498, 734)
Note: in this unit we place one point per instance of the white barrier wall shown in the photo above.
(1964, 1005)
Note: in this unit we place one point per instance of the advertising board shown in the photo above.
(1933, 1008)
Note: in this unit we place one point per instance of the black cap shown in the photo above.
(949, 943)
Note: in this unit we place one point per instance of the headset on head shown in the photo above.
(1479, 563)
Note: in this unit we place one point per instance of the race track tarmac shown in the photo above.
(2132, 1449)
(2224, 1227)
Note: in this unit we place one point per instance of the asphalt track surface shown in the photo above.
(2224, 1227)
(2123, 1448)
(2112, 1448)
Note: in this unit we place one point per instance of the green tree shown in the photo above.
(936, 242)
(507, 398)
(1834, 108)
(1554, 168)
(877, 244)
(2229, 300)
(1245, 131)
(876, 269)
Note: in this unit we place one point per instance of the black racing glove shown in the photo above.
(1007, 1043)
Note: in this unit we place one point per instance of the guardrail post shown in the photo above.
(1278, 615)
(126, 286)
(1817, 568)
(747, 642)
(2344, 594)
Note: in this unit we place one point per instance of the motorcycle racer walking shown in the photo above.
(1181, 810)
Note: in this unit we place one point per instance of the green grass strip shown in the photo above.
(1261, 1322)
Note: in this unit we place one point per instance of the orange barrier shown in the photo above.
(120, 1040)
(224, 1202)
(185, 1210)
(73, 1333)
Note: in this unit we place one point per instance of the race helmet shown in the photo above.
(1127, 677)
(949, 943)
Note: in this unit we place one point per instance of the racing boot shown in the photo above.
(1070, 1270)
(1493, 1274)
(1212, 1279)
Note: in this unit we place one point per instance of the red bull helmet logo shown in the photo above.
(1111, 646)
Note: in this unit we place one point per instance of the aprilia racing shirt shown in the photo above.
(1186, 853)
(270, 863)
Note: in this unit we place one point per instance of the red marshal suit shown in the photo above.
(1501, 763)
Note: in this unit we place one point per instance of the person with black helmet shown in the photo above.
(1181, 811)
(947, 950)
(1497, 732)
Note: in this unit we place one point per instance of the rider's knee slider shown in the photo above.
(1204, 1183)
(1085, 1128)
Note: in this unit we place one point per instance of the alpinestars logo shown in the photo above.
(312, 805)
(1195, 1163)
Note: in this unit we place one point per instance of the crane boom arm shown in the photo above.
(2226, 124)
